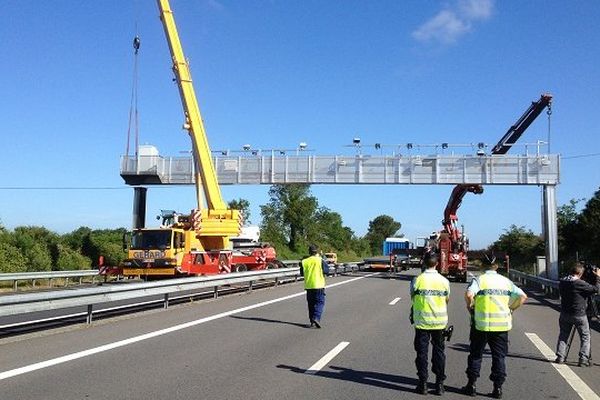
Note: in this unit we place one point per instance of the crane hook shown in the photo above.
(136, 44)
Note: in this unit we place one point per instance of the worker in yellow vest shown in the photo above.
(430, 292)
(491, 298)
(314, 269)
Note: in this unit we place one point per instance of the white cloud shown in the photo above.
(476, 9)
(448, 25)
(445, 27)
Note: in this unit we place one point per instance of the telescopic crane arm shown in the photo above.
(215, 224)
(514, 132)
(508, 140)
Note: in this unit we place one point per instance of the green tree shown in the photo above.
(291, 211)
(11, 259)
(106, 243)
(243, 206)
(521, 244)
(75, 239)
(35, 244)
(329, 232)
(380, 228)
(589, 222)
(69, 259)
(38, 257)
(569, 231)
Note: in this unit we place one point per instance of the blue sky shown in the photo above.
(276, 73)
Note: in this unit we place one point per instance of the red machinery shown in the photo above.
(225, 261)
(452, 244)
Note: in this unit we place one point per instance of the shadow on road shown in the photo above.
(273, 321)
(464, 347)
(371, 378)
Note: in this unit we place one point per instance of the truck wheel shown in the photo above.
(240, 268)
(272, 265)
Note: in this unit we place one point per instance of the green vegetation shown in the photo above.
(291, 220)
(33, 248)
(578, 237)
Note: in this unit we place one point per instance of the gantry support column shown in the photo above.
(550, 230)
(139, 207)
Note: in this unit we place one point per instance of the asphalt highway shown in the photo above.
(257, 346)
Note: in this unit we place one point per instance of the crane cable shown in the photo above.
(133, 107)
(549, 112)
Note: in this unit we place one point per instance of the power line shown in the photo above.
(581, 156)
(74, 187)
(62, 188)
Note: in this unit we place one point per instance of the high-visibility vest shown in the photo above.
(430, 291)
(313, 273)
(492, 312)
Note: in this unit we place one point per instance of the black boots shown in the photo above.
(497, 392)
(469, 389)
(439, 388)
(421, 387)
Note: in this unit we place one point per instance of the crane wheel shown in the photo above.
(240, 268)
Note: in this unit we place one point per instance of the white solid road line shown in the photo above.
(583, 390)
(393, 302)
(316, 367)
(80, 354)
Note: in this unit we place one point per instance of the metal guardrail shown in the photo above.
(50, 275)
(16, 277)
(549, 286)
(14, 304)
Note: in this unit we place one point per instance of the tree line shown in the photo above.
(578, 237)
(290, 221)
(34, 248)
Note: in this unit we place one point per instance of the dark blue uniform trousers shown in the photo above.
(498, 342)
(438, 357)
(316, 302)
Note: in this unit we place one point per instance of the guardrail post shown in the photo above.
(250, 286)
(49, 282)
(277, 281)
(15, 285)
(166, 301)
(66, 282)
(81, 280)
(216, 292)
(89, 314)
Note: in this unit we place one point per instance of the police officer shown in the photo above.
(429, 293)
(491, 299)
(314, 269)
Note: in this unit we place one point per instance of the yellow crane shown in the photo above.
(161, 251)
(214, 224)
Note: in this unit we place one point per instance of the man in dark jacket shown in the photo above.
(574, 295)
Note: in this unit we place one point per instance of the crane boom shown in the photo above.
(514, 132)
(502, 147)
(215, 223)
(508, 140)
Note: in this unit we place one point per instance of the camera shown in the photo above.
(589, 274)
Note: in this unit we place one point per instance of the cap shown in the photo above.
(488, 259)
(313, 249)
